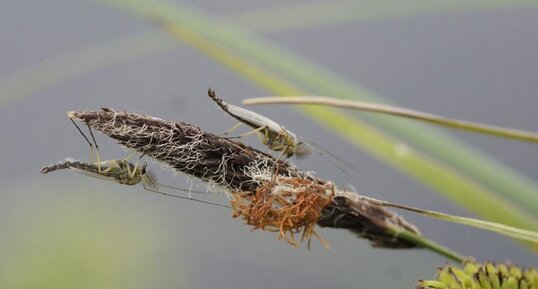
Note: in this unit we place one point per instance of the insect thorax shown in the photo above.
(125, 173)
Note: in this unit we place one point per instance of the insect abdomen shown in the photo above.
(67, 165)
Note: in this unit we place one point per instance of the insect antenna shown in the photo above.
(331, 158)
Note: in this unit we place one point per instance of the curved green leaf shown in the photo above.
(401, 112)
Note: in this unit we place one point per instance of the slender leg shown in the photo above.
(284, 149)
(83, 135)
(275, 164)
(234, 127)
(185, 198)
(149, 181)
(126, 159)
(131, 174)
(93, 150)
(257, 130)
(111, 165)
(96, 148)
(264, 137)
(131, 155)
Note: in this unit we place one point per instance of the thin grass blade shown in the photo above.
(512, 232)
(402, 112)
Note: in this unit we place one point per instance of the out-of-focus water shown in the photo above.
(64, 230)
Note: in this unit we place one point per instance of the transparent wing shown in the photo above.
(94, 175)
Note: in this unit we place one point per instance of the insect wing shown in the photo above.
(302, 150)
(149, 180)
(95, 175)
(253, 119)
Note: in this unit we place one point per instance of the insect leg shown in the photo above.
(96, 148)
(83, 135)
(136, 167)
(131, 155)
(257, 130)
(282, 149)
(266, 140)
(148, 179)
(93, 150)
(112, 164)
(234, 127)
(185, 198)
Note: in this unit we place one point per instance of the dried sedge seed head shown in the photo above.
(489, 275)
(236, 167)
(185, 148)
(367, 220)
(285, 205)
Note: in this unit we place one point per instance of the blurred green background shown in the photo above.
(474, 60)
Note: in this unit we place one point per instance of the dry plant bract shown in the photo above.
(288, 202)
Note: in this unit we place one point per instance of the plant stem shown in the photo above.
(425, 243)
(403, 112)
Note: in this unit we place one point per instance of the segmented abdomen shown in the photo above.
(67, 165)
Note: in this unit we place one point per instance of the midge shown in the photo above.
(117, 170)
(274, 136)
(120, 171)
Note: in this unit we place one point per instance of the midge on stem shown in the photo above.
(116, 170)
(120, 171)
(273, 135)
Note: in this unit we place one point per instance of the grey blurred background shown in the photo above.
(65, 230)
